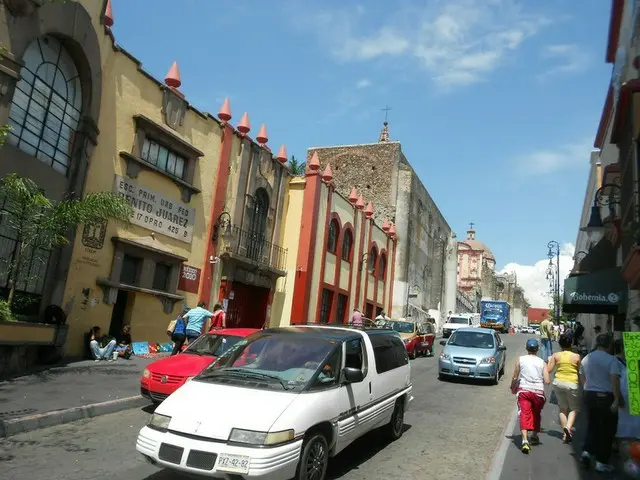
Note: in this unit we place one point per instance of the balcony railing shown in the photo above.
(255, 247)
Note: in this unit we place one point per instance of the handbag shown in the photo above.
(171, 327)
(515, 384)
(553, 398)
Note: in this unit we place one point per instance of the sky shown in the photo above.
(495, 102)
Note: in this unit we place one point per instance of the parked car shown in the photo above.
(473, 353)
(281, 403)
(163, 377)
(418, 337)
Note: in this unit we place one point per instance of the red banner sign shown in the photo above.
(189, 278)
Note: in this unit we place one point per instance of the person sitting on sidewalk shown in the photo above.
(196, 321)
(600, 373)
(566, 385)
(101, 346)
(530, 376)
(124, 347)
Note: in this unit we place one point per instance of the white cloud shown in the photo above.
(364, 83)
(532, 278)
(457, 42)
(547, 161)
(568, 58)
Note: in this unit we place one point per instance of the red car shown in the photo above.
(160, 379)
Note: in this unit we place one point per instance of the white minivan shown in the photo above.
(281, 402)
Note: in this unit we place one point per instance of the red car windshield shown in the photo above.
(213, 345)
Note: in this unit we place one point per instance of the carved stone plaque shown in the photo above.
(93, 234)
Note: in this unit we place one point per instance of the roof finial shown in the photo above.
(108, 15)
(173, 76)
(384, 134)
(471, 233)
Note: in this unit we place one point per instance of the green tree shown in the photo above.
(297, 167)
(40, 224)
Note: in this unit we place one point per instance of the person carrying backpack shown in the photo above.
(178, 332)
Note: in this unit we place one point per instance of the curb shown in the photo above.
(28, 423)
(500, 454)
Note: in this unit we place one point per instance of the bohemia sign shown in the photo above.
(156, 212)
(189, 280)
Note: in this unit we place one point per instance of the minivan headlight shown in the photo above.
(445, 356)
(159, 422)
(146, 373)
(251, 437)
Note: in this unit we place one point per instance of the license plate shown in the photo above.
(233, 463)
(464, 370)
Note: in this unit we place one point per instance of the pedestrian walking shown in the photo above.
(600, 372)
(529, 379)
(546, 335)
(597, 330)
(177, 331)
(196, 321)
(566, 387)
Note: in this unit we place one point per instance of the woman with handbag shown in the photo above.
(566, 387)
(529, 378)
(178, 332)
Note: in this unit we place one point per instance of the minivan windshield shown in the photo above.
(471, 340)
(286, 361)
(458, 320)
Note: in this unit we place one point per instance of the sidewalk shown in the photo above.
(69, 392)
(551, 459)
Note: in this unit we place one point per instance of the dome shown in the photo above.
(477, 245)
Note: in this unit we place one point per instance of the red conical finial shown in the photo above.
(386, 226)
(282, 154)
(108, 14)
(360, 202)
(353, 196)
(244, 126)
(173, 77)
(327, 175)
(262, 137)
(314, 163)
(225, 111)
(369, 210)
(392, 230)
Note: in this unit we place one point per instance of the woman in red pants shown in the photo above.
(529, 379)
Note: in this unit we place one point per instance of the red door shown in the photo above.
(248, 309)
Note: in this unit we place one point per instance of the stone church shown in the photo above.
(425, 264)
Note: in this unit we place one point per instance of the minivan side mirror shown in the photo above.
(353, 375)
(443, 342)
(502, 348)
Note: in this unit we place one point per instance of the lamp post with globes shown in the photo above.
(553, 275)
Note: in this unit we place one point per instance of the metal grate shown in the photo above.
(201, 460)
(464, 361)
(170, 453)
(255, 247)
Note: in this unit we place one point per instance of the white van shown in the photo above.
(460, 320)
(281, 402)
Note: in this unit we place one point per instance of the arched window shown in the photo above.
(373, 259)
(47, 104)
(347, 244)
(382, 267)
(332, 236)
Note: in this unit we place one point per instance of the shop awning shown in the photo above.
(600, 292)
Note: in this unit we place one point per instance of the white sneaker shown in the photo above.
(97, 360)
(604, 468)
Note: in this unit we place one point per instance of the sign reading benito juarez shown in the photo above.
(156, 212)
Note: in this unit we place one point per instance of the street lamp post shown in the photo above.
(604, 196)
(554, 251)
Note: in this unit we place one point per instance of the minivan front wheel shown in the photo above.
(314, 458)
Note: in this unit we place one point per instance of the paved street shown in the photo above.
(453, 430)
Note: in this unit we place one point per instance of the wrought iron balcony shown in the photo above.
(255, 247)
